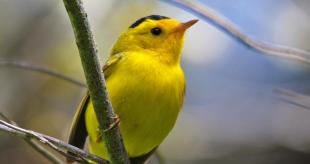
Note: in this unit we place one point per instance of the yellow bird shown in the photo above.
(146, 85)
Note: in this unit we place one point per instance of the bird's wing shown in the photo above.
(78, 133)
(107, 68)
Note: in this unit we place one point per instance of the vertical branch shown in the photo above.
(95, 81)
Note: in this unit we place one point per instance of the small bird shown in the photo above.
(146, 86)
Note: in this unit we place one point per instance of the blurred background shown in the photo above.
(232, 114)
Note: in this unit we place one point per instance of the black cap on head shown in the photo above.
(153, 17)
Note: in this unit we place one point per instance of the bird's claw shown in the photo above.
(116, 122)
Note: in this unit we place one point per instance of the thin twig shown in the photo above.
(56, 144)
(231, 29)
(293, 97)
(47, 154)
(95, 81)
(32, 134)
(35, 145)
(31, 67)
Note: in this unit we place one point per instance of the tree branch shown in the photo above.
(47, 154)
(95, 81)
(231, 29)
(39, 69)
(60, 146)
(293, 97)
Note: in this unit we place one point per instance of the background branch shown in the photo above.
(95, 81)
(231, 29)
(31, 67)
(293, 97)
(60, 146)
(47, 154)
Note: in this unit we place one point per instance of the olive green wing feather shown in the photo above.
(78, 134)
(113, 60)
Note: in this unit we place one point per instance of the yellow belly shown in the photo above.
(147, 97)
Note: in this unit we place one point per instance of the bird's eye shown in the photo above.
(156, 31)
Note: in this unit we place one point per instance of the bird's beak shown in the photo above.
(184, 26)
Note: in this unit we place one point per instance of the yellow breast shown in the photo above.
(147, 95)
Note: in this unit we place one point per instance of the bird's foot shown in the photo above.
(116, 122)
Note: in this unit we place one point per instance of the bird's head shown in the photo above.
(155, 34)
